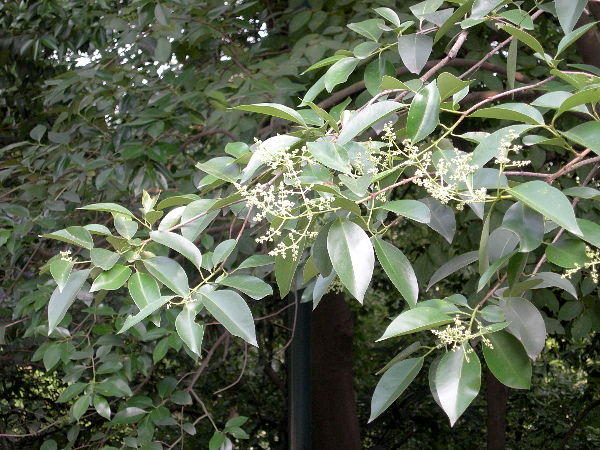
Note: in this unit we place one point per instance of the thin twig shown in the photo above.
(241, 373)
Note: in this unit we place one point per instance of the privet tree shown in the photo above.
(427, 143)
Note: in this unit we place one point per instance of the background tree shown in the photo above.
(112, 102)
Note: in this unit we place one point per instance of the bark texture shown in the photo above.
(497, 396)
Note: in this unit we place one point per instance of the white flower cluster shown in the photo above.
(505, 148)
(456, 334)
(65, 256)
(592, 265)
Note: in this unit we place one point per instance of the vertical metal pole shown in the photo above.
(299, 392)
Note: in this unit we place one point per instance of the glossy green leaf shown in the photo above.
(60, 301)
(352, 257)
(457, 381)
(323, 63)
(179, 244)
(112, 279)
(398, 269)
(591, 96)
(527, 224)
(411, 209)
(189, 331)
(482, 8)
(251, 286)
(590, 231)
(488, 147)
(367, 117)
(130, 414)
(583, 192)
(320, 253)
(339, 72)
(73, 235)
(113, 387)
(101, 406)
(414, 50)
(423, 114)
(80, 407)
(507, 360)
(257, 261)
(331, 155)
(169, 273)
(150, 308)
(365, 49)
(448, 85)
(551, 279)
(222, 168)
(442, 218)
(369, 28)
(109, 207)
(274, 109)
(125, 226)
(491, 270)
(452, 266)
(223, 250)
(143, 289)
(568, 12)
(197, 216)
(389, 14)
(60, 270)
(231, 310)
(586, 135)
(525, 38)
(325, 116)
(414, 320)
(105, 259)
(570, 38)
(549, 202)
(456, 16)
(393, 383)
(285, 267)
(401, 356)
(518, 112)
(526, 324)
(568, 253)
(51, 356)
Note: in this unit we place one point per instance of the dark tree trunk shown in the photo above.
(497, 395)
(334, 417)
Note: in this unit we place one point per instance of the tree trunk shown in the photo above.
(334, 416)
(497, 395)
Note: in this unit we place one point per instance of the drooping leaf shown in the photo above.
(331, 155)
(103, 258)
(452, 266)
(73, 235)
(112, 279)
(568, 253)
(61, 300)
(527, 224)
(169, 273)
(507, 360)
(352, 257)
(143, 289)
(526, 324)
(548, 201)
(518, 112)
(367, 117)
(189, 331)
(442, 218)
(568, 12)
(488, 147)
(414, 320)
(223, 250)
(109, 207)
(285, 267)
(423, 114)
(398, 269)
(101, 406)
(590, 231)
(369, 28)
(414, 50)
(525, 38)
(60, 270)
(412, 209)
(231, 310)
(251, 286)
(150, 308)
(586, 134)
(179, 244)
(319, 251)
(339, 72)
(457, 381)
(551, 279)
(274, 109)
(393, 383)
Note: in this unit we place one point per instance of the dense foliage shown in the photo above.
(183, 160)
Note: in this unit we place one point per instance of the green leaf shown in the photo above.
(518, 112)
(189, 331)
(457, 381)
(60, 270)
(591, 95)
(549, 202)
(491, 270)
(457, 16)
(569, 310)
(60, 301)
(570, 38)
(331, 155)
(324, 62)
(367, 117)
(482, 8)
(452, 266)
(525, 38)
(398, 269)
(369, 28)
(192, 229)
(230, 309)
(113, 387)
(583, 192)
(128, 415)
(112, 279)
(285, 267)
(393, 383)
(424, 113)
(555, 280)
(125, 226)
(568, 253)
(401, 356)
(223, 250)
(109, 207)
(274, 109)
(179, 244)
(101, 406)
(103, 258)
(527, 224)
(325, 116)
(319, 251)
(150, 308)
(52, 356)
(448, 85)
(590, 231)
(586, 135)
(442, 218)
(143, 289)
(73, 235)
(507, 360)
(526, 324)
(352, 257)
(568, 12)
(71, 391)
(488, 148)
(414, 320)
(80, 407)
(389, 14)
(251, 286)
(169, 273)
(257, 261)
(414, 50)
(411, 209)
(339, 72)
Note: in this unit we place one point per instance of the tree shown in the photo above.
(404, 139)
